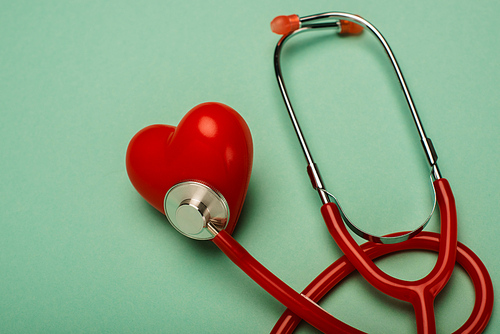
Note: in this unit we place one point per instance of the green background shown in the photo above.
(81, 252)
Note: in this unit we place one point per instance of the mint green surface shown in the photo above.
(81, 252)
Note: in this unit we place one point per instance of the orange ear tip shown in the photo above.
(285, 24)
(350, 28)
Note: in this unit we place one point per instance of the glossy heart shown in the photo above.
(212, 145)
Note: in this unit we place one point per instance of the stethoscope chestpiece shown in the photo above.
(193, 207)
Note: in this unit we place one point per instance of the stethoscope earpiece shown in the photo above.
(191, 207)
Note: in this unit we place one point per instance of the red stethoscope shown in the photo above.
(198, 173)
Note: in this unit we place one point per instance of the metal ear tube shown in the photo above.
(306, 24)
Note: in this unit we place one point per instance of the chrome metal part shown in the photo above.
(313, 172)
(309, 23)
(435, 172)
(307, 26)
(317, 182)
(382, 239)
(192, 206)
(212, 229)
(326, 25)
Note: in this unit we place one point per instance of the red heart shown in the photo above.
(212, 144)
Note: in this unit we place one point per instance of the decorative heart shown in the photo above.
(212, 144)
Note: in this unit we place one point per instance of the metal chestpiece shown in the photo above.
(190, 206)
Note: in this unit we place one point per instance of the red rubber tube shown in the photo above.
(304, 306)
(300, 305)
(420, 293)
(483, 287)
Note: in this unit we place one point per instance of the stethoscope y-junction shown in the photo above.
(198, 173)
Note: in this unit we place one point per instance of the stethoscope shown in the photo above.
(198, 207)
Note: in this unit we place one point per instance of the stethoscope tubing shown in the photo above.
(420, 293)
(340, 269)
(299, 304)
(429, 241)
